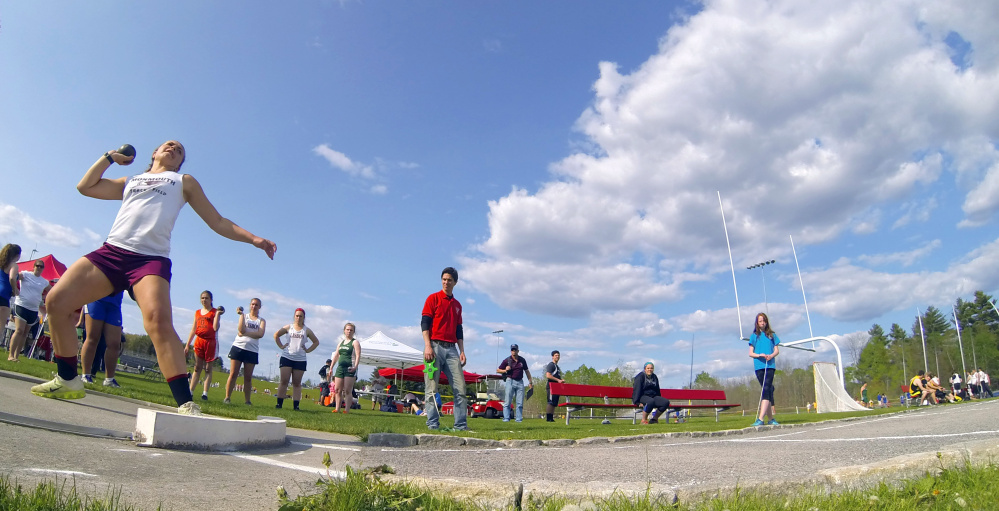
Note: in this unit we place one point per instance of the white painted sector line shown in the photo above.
(336, 474)
(327, 446)
(60, 472)
(823, 440)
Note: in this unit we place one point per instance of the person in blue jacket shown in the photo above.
(763, 348)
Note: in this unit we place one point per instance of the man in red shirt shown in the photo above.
(444, 344)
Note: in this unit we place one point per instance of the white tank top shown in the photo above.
(30, 295)
(247, 343)
(296, 345)
(149, 209)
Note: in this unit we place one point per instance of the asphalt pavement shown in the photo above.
(88, 441)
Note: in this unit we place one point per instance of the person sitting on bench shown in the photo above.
(647, 393)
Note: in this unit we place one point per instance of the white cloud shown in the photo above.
(810, 118)
(915, 210)
(724, 322)
(352, 168)
(902, 258)
(982, 202)
(342, 162)
(567, 290)
(16, 226)
(846, 292)
(325, 321)
(492, 45)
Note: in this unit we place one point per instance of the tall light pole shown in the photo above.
(957, 325)
(763, 272)
(496, 333)
(922, 335)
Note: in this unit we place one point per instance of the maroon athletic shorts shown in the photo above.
(124, 268)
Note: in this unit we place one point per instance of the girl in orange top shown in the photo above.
(206, 324)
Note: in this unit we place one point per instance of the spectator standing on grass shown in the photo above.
(513, 369)
(103, 323)
(444, 345)
(983, 383)
(646, 392)
(763, 348)
(346, 358)
(294, 357)
(324, 382)
(553, 374)
(955, 384)
(204, 334)
(28, 306)
(245, 349)
(9, 255)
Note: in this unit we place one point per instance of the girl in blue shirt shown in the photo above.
(763, 348)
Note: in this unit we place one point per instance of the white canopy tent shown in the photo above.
(380, 350)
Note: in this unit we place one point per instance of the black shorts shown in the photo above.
(27, 315)
(4, 302)
(552, 398)
(244, 356)
(295, 366)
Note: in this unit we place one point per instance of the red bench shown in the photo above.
(675, 396)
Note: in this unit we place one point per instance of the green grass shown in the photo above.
(365, 421)
(954, 489)
(970, 488)
(55, 496)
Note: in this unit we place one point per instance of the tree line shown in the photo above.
(886, 362)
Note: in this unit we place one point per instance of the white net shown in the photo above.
(830, 396)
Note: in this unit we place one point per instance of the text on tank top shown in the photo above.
(149, 208)
(296, 344)
(346, 351)
(245, 342)
(204, 324)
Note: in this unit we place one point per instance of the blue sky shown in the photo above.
(565, 157)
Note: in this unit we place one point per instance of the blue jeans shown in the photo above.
(511, 387)
(446, 358)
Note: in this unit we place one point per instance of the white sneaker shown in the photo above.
(87, 378)
(189, 408)
(111, 382)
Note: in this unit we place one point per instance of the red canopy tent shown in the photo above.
(415, 373)
(53, 268)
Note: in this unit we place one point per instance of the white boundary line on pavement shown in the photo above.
(336, 474)
(60, 472)
(327, 446)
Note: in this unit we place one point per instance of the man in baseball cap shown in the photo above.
(514, 367)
